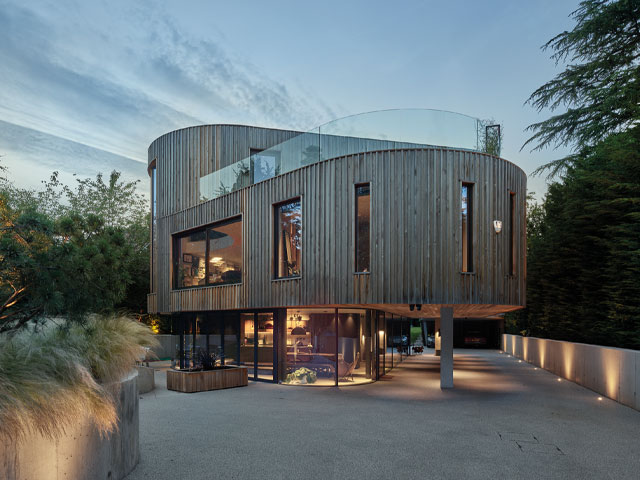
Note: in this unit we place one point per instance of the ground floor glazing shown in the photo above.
(297, 346)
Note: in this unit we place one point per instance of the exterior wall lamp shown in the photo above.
(497, 226)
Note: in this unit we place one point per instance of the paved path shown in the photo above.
(505, 419)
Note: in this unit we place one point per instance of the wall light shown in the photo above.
(497, 226)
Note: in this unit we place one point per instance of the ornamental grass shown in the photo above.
(51, 377)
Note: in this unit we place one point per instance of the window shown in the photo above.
(467, 227)
(265, 164)
(209, 256)
(288, 239)
(225, 253)
(363, 226)
(512, 234)
(154, 196)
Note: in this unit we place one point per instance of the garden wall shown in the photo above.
(612, 372)
(80, 453)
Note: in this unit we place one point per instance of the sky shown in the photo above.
(88, 85)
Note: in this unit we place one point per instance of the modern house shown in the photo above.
(303, 255)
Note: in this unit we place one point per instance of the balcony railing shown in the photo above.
(380, 130)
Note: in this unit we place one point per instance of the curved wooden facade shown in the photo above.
(416, 246)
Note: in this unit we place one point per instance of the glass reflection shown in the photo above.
(288, 241)
(225, 253)
(363, 221)
(190, 259)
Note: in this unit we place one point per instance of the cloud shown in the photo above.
(32, 156)
(111, 76)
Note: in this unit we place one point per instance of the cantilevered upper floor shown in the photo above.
(249, 217)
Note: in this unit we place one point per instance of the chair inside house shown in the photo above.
(346, 369)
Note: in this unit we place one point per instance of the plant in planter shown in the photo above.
(208, 361)
(302, 376)
(207, 371)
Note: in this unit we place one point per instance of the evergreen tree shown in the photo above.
(583, 265)
(600, 86)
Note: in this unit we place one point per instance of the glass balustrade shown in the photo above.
(366, 132)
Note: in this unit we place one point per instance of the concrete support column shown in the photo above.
(446, 353)
(436, 337)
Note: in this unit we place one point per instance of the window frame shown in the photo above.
(513, 260)
(355, 234)
(177, 236)
(274, 237)
(153, 170)
(469, 234)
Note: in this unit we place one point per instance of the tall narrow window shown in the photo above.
(467, 227)
(288, 239)
(363, 225)
(512, 234)
(154, 197)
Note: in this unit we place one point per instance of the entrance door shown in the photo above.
(257, 344)
(264, 359)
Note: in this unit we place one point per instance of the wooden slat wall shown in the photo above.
(152, 303)
(415, 225)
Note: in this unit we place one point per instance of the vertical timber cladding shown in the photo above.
(415, 224)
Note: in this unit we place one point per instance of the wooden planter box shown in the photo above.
(190, 382)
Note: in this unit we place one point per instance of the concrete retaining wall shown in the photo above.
(80, 453)
(146, 379)
(613, 372)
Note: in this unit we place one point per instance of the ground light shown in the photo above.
(599, 399)
(559, 379)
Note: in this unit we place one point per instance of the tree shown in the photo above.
(601, 85)
(70, 259)
(583, 252)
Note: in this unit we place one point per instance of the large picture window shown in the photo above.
(288, 239)
(209, 256)
(363, 225)
(467, 226)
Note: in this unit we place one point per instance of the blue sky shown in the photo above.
(87, 86)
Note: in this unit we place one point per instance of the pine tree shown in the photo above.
(600, 86)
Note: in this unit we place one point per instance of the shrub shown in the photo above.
(50, 376)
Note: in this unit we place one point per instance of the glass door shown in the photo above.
(264, 327)
(257, 344)
(248, 343)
